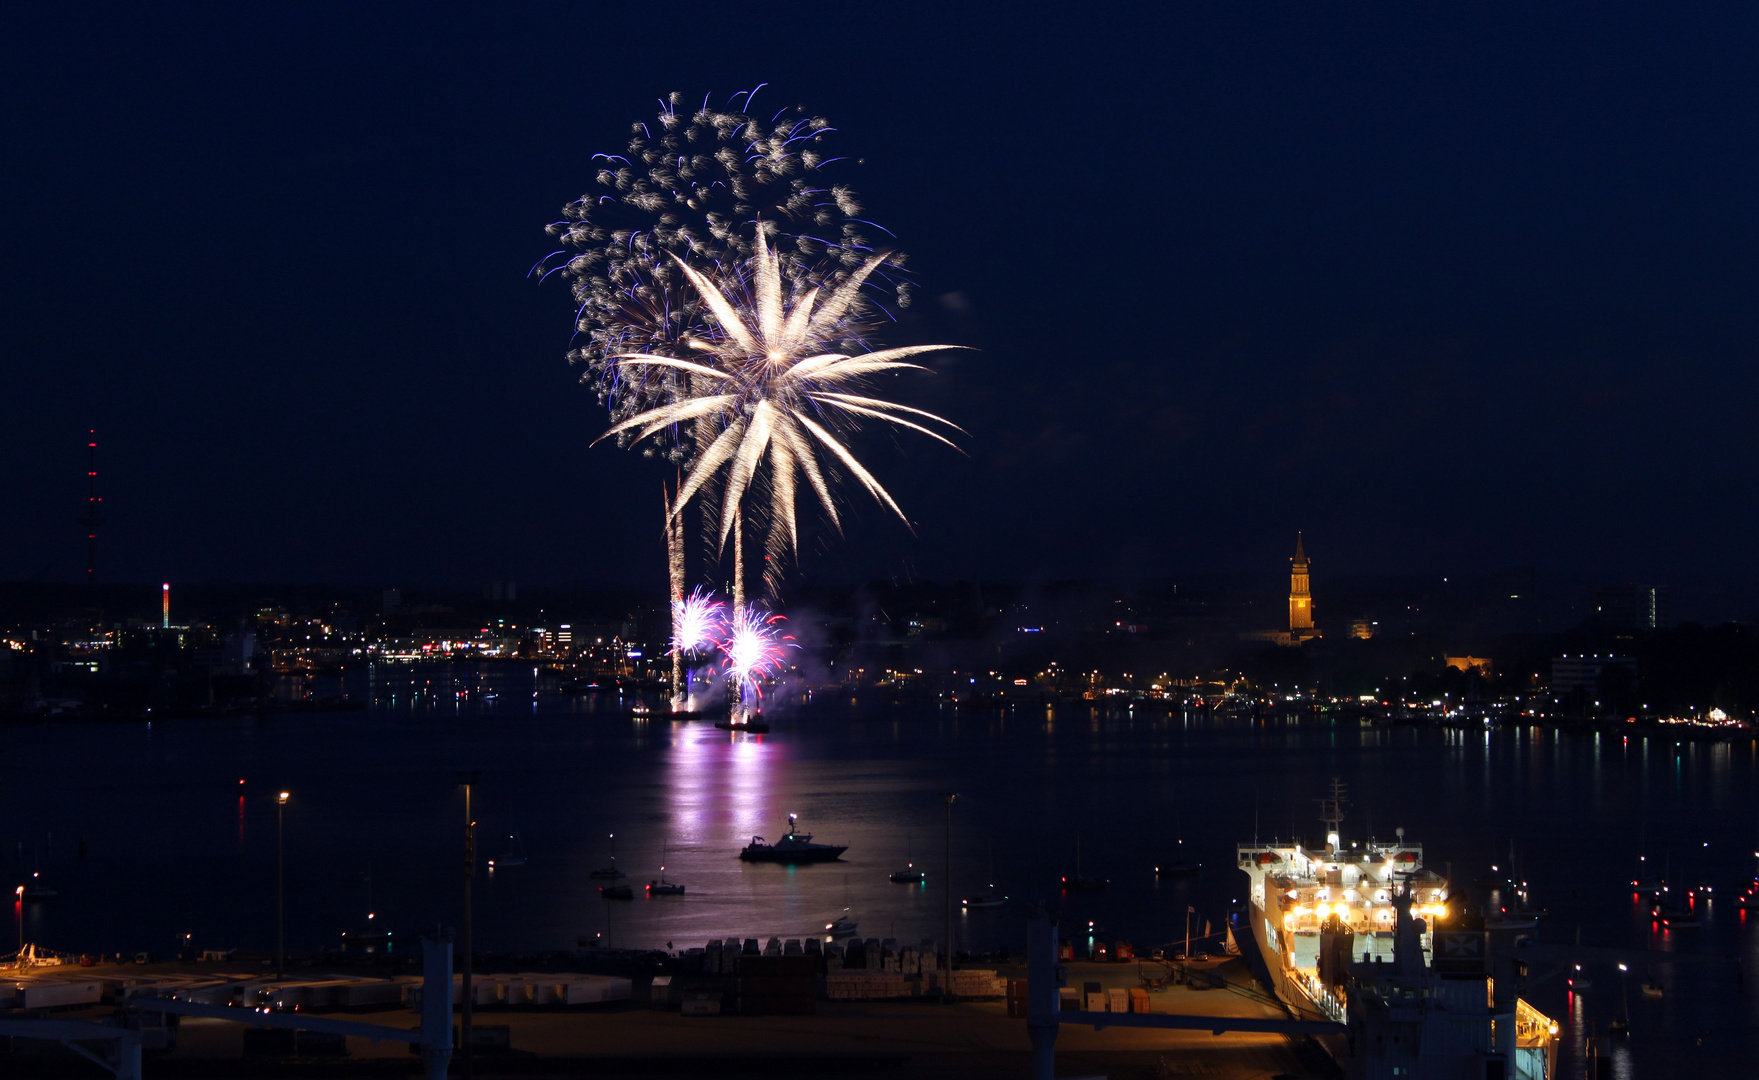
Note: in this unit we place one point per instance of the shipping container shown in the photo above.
(699, 1004)
(596, 989)
(34, 994)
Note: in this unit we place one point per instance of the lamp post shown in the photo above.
(280, 885)
(468, 779)
(947, 874)
(1189, 911)
(18, 907)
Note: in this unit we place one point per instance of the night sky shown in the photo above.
(1450, 290)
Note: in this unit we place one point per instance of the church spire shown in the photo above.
(1300, 599)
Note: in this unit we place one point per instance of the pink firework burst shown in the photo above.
(754, 646)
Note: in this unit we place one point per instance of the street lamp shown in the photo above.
(947, 986)
(18, 906)
(280, 885)
(467, 778)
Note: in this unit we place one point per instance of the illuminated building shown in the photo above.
(1632, 607)
(1300, 600)
(1301, 628)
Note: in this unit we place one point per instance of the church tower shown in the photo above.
(1300, 600)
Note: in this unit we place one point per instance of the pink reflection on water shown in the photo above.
(687, 788)
(718, 788)
(749, 781)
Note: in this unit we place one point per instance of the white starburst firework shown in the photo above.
(769, 398)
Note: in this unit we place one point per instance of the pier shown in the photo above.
(534, 1034)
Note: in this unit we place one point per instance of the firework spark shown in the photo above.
(754, 647)
(690, 184)
(699, 619)
(771, 386)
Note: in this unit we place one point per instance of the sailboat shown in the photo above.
(1180, 866)
(989, 897)
(662, 887)
(608, 873)
(514, 855)
(370, 936)
(37, 888)
(1079, 882)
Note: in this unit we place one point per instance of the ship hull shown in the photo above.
(824, 854)
(1289, 990)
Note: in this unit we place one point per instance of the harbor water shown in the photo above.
(374, 822)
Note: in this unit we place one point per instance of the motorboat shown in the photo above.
(987, 899)
(907, 876)
(1652, 989)
(842, 926)
(794, 847)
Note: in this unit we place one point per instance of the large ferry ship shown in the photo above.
(1350, 932)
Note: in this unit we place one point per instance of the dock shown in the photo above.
(917, 1039)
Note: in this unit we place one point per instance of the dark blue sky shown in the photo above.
(1451, 290)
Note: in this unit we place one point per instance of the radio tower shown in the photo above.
(92, 518)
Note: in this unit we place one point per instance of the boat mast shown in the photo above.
(1331, 811)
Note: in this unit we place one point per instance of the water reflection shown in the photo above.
(375, 787)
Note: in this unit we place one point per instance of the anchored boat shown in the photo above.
(794, 847)
(608, 873)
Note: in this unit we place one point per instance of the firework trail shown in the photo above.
(754, 649)
(675, 577)
(770, 387)
(690, 184)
